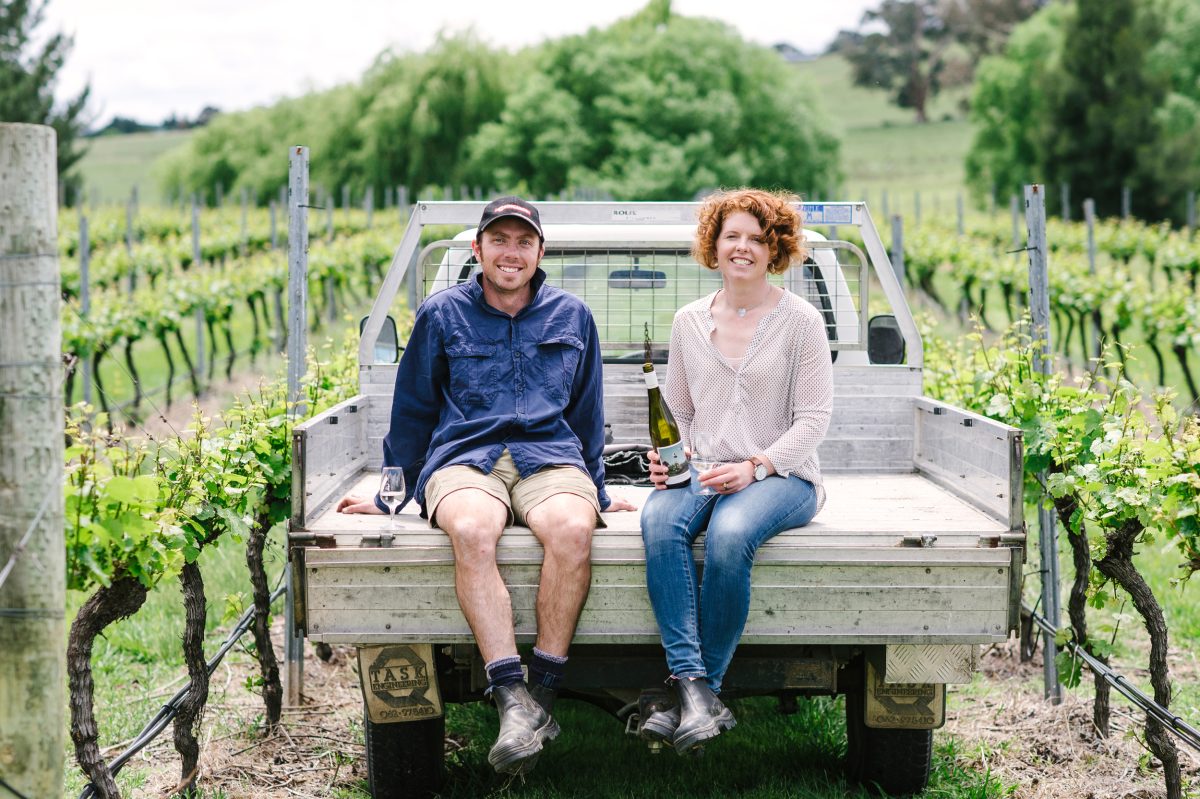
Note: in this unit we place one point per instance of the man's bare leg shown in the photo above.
(564, 524)
(473, 520)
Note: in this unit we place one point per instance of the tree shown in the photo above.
(1097, 95)
(1103, 122)
(1010, 105)
(915, 48)
(27, 78)
(906, 58)
(983, 26)
(657, 107)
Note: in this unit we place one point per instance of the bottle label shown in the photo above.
(675, 460)
(651, 379)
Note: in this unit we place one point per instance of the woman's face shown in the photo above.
(742, 254)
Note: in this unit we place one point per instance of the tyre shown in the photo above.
(405, 760)
(895, 762)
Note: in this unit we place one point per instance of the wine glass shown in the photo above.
(703, 460)
(391, 491)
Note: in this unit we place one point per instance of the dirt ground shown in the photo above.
(1001, 724)
(1007, 729)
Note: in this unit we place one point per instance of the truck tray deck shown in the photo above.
(844, 578)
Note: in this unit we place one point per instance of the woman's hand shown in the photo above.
(658, 472)
(728, 478)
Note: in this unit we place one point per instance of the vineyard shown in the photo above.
(173, 298)
(144, 514)
(1133, 290)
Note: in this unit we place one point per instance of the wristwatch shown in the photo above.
(760, 468)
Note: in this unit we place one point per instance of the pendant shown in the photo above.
(741, 312)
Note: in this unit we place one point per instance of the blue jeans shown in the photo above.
(701, 624)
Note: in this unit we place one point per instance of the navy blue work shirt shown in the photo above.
(474, 380)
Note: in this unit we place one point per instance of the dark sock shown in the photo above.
(546, 670)
(504, 671)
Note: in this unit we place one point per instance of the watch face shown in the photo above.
(760, 471)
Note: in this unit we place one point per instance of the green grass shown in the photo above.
(769, 755)
(113, 165)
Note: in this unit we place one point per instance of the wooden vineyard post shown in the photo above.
(197, 254)
(129, 246)
(297, 345)
(32, 550)
(958, 203)
(1089, 214)
(1039, 306)
(85, 301)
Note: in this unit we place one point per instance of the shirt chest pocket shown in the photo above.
(474, 376)
(559, 357)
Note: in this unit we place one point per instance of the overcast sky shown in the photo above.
(148, 58)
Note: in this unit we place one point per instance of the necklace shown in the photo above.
(741, 312)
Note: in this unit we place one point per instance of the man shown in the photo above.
(498, 419)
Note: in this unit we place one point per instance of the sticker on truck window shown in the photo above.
(832, 214)
(399, 682)
(906, 706)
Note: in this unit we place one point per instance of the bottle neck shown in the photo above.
(651, 378)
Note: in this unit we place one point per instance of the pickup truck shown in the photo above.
(885, 598)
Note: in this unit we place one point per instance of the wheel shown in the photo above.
(405, 759)
(895, 762)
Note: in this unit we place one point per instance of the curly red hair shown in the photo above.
(775, 212)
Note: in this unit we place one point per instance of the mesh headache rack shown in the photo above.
(631, 264)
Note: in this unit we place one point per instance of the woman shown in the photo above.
(750, 370)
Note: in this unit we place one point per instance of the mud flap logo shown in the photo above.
(909, 706)
(399, 682)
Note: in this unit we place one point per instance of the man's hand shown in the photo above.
(352, 503)
(619, 503)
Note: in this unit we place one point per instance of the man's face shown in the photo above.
(509, 251)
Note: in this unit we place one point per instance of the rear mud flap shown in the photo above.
(399, 683)
(907, 706)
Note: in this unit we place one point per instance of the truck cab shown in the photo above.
(885, 597)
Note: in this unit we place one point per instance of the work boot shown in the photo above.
(544, 697)
(701, 715)
(660, 725)
(524, 727)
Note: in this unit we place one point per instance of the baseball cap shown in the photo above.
(514, 207)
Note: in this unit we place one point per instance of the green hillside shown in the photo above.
(115, 164)
(883, 148)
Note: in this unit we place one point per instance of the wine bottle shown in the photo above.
(664, 432)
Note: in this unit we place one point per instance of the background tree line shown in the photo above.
(655, 107)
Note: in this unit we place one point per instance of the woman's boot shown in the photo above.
(701, 715)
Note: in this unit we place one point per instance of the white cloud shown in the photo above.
(146, 58)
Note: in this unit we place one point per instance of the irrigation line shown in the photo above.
(1184, 731)
(12, 790)
(171, 708)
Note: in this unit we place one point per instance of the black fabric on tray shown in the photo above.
(627, 467)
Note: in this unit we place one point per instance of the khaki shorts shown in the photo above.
(505, 484)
